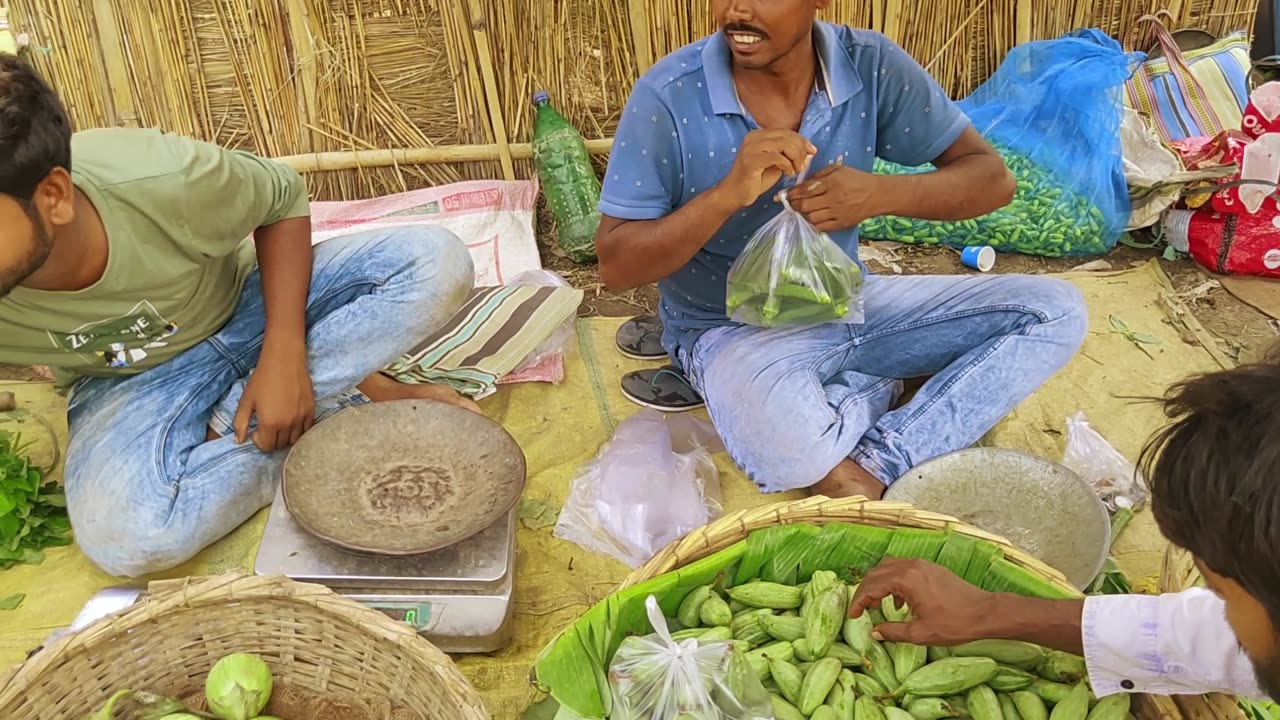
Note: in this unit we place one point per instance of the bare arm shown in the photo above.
(284, 260)
(971, 180)
(640, 252)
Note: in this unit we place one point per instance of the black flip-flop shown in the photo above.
(641, 338)
(663, 389)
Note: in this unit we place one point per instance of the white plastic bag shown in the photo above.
(656, 678)
(649, 486)
(564, 338)
(1090, 456)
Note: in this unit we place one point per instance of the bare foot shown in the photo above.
(847, 480)
(380, 388)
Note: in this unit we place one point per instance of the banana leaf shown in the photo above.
(574, 667)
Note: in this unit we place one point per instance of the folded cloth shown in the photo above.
(493, 333)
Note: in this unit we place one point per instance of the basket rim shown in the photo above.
(819, 510)
(196, 592)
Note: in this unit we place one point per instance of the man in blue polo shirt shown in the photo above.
(709, 136)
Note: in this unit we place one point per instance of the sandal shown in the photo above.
(665, 389)
(641, 338)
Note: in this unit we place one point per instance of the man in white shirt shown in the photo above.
(1215, 485)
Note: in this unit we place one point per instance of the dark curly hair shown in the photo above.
(1215, 475)
(35, 134)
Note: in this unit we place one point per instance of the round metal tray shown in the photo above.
(1038, 505)
(402, 478)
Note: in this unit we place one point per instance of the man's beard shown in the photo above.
(41, 246)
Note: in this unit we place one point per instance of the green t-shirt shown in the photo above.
(178, 216)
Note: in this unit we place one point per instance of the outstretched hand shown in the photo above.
(945, 609)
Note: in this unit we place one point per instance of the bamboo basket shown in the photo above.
(314, 641)
(735, 527)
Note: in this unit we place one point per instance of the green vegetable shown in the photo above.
(1112, 707)
(788, 677)
(1008, 710)
(825, 616)
(1075, 706)
(33, 513)
(238, 687)
(108, 710)
(1062, 667)
(715, 612)
(783, 710)
(189, 716)
(1030, 705)
(1010, 678)
(983, 704)
(12, 602)
(879, 664)
(691, 606)
(857, 632)
(893, 613)
(783, 628)
(817, 684)
(932, 709)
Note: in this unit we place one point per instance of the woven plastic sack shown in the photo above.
(791, 274)
(657, 678)
(1053, 109)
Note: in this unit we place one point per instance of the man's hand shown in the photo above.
(838, 198)
(945, 609)
(764, 158)
(279, 393)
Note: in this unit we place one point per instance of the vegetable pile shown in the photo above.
(237, 688)
(33, 512)
(1046, 217)
(815, 663)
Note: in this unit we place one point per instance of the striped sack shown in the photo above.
(489, 337)
(1197, 93)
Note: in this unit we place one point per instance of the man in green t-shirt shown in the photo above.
(192, 355)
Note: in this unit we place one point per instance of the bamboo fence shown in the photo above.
(399, 94)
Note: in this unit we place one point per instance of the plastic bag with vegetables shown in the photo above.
(792, 274)
(656, 677)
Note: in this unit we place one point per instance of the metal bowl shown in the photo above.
(402, 478)
(1038, 505)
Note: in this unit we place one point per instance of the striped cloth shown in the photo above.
(493, 333)
(1178, 104)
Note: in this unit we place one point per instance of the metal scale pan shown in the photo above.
(408, 507)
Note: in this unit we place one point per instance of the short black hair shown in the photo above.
(1215, 475)
(35, 134)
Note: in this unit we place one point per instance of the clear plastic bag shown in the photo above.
(792, 274)
(1111, 475)
(560, 342)
(649, 486)
(1053, 110)
(655, 678)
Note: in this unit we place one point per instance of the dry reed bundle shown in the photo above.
(298, 77)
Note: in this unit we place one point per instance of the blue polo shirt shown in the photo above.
(683, 125)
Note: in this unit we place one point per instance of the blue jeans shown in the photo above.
(145, 489)
(791, 404)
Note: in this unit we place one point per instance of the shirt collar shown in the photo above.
(837, 74)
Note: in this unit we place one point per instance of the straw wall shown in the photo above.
(286, 77)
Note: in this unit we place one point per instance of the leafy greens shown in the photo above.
(33, 513)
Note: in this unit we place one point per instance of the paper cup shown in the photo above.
(981, 258)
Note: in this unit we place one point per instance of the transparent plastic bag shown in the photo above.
(654, 677)
(649, 486)
(1109, 473)
(560, 342)
(1053, 111)
(792, 274)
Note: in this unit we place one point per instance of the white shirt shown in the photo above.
(1172, 644)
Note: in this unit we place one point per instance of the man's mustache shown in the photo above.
(745, 29)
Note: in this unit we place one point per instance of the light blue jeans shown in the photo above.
(791, 404)
(146, 491)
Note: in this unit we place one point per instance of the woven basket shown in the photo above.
(314, 641)
(735, 527)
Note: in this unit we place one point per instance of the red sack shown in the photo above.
(1262, 114)
(1227, 243)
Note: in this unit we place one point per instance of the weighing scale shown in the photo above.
(459, 597)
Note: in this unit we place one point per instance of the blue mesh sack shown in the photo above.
(1053, 110)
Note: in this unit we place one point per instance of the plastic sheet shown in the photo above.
(649, 486)
(1111, 475)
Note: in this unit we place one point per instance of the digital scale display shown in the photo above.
(415, 615)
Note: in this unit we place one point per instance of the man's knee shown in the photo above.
(1065, 307)
(431, 265)
(129, 545)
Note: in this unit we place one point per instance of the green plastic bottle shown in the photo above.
(568, 180)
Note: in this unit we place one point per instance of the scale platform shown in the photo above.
(459, 598)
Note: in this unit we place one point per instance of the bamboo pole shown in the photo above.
(480, 35)
(307, 78)
(641, 38)
(352, 159)
(124, 110)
